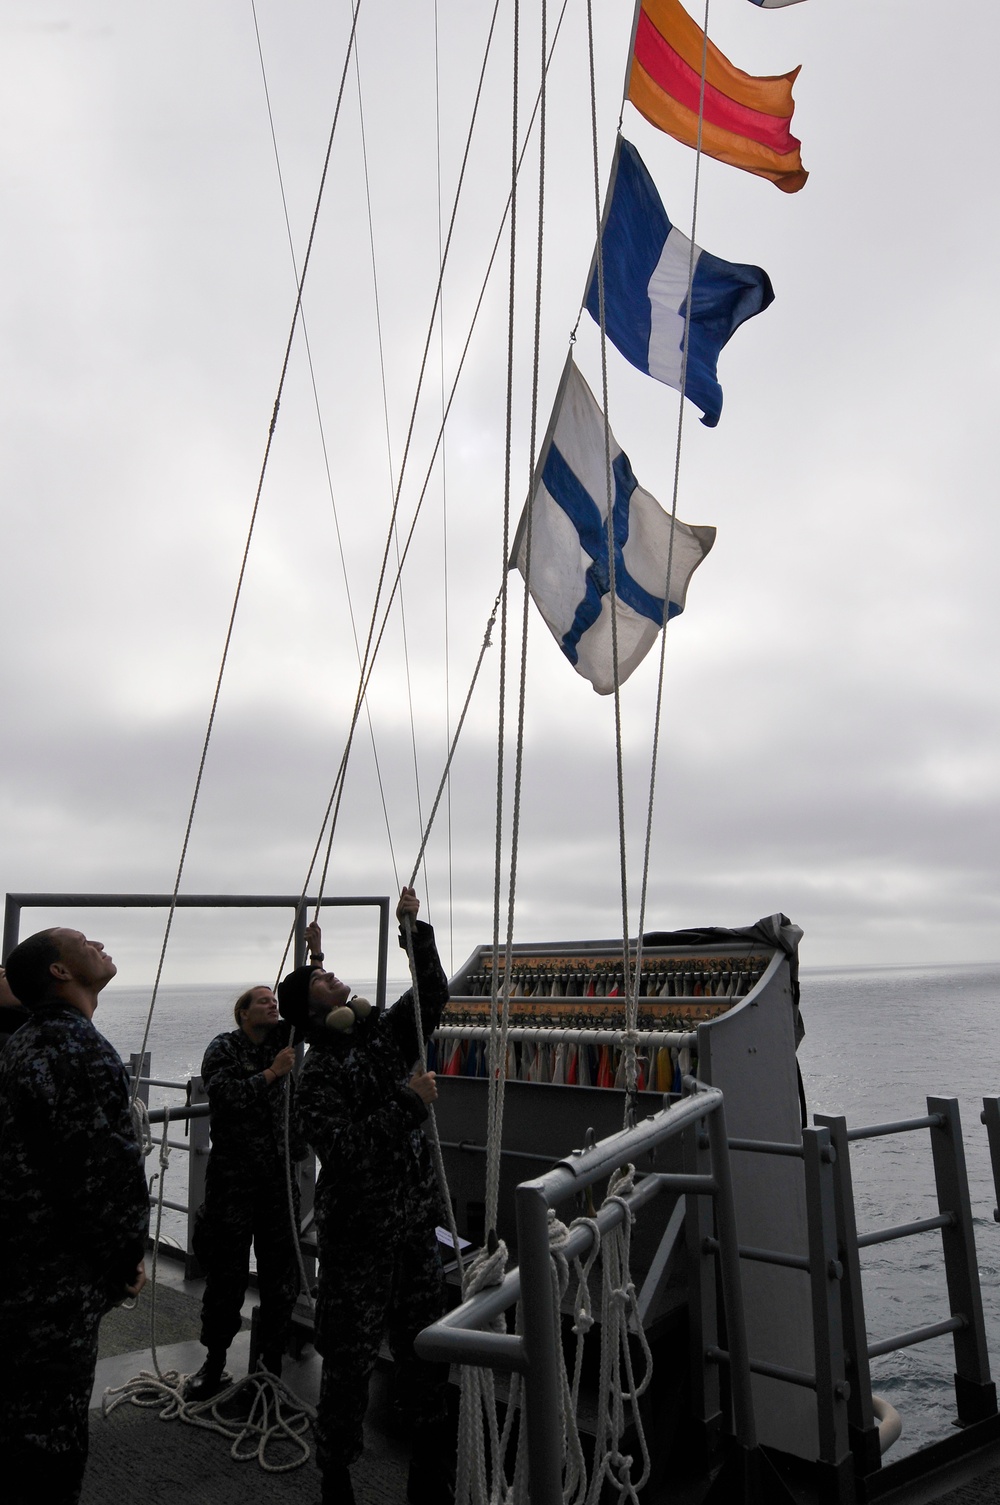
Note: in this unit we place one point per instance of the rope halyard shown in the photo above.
(432, 1128)
(372, 650)
(479, 1481)
(658, 710)
(246, 551)
(631, 1071)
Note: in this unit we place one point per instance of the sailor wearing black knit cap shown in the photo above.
(361, 1103)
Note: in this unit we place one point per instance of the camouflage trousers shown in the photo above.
(233, 1216)
(48, 1343)
(394, 1288)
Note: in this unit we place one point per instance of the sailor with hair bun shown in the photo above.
(246, 1073)
(362, 1099)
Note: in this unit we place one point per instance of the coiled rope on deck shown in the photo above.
(264, 1413)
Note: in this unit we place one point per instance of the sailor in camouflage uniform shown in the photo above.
(361, 1104)
(246, 1074)
(74, 1210)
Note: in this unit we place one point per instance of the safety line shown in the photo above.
(333, 803)
(658, 710)
(370, 653)
(322, 428)
(246, 548)
(630, 1056)
(500, 1010)
(446, 603)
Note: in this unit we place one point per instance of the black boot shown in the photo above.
(337, 1486)
(431, 1480)
(430, 1484)
(210, 1379)
(272, 1363)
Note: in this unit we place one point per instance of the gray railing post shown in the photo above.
(703, 1314)
(744, 1423)
(990, 1116)
(197, 1166)
(542, 1343)
(835, 1464)
(862, 1428)
(975, 1393)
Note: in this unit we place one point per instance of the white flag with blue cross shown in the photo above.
(570, 572)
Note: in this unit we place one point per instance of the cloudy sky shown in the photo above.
(831, 705)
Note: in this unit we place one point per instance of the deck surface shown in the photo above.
(135, 1455)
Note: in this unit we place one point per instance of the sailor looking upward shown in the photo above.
(246, 1073)
(361, 1104)
(74, 1211)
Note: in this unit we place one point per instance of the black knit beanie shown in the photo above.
(293, 997)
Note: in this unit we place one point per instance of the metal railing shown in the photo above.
(828, 1377)
(460, 1336)
(975, 1392)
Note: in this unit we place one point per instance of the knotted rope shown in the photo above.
(619, 1316)
(479, 1478)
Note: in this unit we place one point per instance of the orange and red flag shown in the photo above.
(745, 120)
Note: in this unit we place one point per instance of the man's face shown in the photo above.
(262, 1010)
(326, 992)
(87, 961)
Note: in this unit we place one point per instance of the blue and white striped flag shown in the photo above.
(570, 574)
(646, 268)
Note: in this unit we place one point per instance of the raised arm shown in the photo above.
(432, 984)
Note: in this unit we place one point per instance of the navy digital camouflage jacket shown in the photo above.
(248, 1112)
(357, 1112)
(73, 1193)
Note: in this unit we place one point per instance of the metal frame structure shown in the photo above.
(298, 903)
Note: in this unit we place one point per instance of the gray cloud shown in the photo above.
(830, 727)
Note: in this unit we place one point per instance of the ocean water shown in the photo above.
(878, 1041)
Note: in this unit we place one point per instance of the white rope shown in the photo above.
(189, 826)
(432, 1129)
(276, 1415)
(630, 1060)
(619, 1314)
(574, 1463)
(289, 1168)
(658, 710)
(141, 1124)
(480, 1478)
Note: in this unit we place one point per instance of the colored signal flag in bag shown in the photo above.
(570, 572)
(647, 264)
(745, 120)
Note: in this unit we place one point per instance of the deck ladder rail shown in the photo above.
(829, 1380)
(975, 1392)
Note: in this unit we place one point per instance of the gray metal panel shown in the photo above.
(548, 1121)
(750, 1053)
